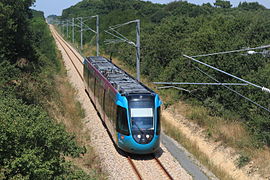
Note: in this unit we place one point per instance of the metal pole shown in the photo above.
(138, 52)
(97, 38)
(73, 30)
(81, 33)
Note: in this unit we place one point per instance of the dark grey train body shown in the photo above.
(130, 110)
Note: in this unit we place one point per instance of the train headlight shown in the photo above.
(147, 136)
(139, 136)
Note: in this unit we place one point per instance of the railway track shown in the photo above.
(139, 174)
(157, 162)
(163, 168)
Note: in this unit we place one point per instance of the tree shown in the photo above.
(14, 24)
(251, 6)
(31, 144)
(223, 4)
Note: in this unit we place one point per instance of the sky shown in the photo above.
(55, 7)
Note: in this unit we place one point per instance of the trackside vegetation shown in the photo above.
(33, 145)
(169, 31)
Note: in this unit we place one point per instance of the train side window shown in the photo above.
(114, 113)
(107, 104)
(158, 121)
(91, 80)
(99, 91)
(122, 122)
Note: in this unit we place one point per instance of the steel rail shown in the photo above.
(163, 168)
(59, 41)
(134, 167)
(128, 157)
(69, 48)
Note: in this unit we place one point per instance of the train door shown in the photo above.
(99, 91)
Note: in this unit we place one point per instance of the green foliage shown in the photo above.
(251, 6)
(8, 73)
(222, 4)
(204, 34)
(242, 160)
(169, 31)
(31, 144)
(15, 39)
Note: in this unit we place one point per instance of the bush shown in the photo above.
(31, 144)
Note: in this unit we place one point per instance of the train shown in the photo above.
(130, 110)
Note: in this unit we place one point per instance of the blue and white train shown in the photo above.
(130, 110)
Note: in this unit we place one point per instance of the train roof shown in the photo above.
(119, 79)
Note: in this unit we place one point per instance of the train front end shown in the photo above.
(142, 113)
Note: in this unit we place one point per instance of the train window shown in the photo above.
(122, 122)
(114, 112)
(100, 92)
(107, 105)
(142, 118)
(158, 121)
(91, 80)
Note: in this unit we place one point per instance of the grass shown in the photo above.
(174, 132)
(227, 129)
(231, 132)
(171, 130)
(66, 109)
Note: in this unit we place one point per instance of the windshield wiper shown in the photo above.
(133, 121)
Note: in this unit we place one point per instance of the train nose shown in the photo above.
(143, 138)
(129, 144)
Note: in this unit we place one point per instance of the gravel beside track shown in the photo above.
(115, 164)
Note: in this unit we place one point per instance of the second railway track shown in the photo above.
(138, 167)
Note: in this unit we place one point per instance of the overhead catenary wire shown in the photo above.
(121, 38)
(233, 51)
(240, 79)
(84, 27)
(119, 34)
(188, 83)
(120, 25)
(175, 87)
(241, 95)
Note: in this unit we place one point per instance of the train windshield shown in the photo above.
(141, 112)
(142, 118)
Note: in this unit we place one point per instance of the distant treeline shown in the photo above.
(32, 144)
(169, 31)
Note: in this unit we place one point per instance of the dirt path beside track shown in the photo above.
(112, 162)
(220, 156)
